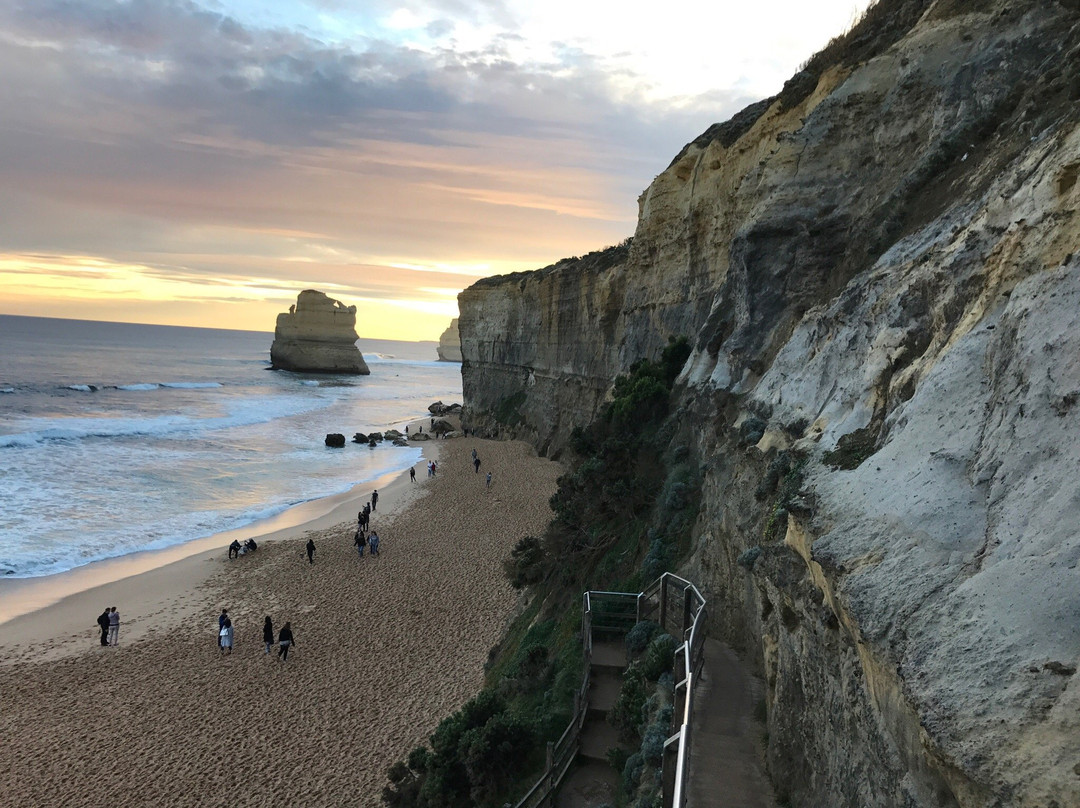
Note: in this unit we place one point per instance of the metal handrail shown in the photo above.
(562, 752)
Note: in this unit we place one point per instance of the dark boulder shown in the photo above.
(335, 439)
(359, 437)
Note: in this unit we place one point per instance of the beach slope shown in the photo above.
(385, 648)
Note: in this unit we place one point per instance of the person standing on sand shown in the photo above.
(114, 626)
(268, 633)
(412, 474)
(285, 640)
(476, 464)
(374, 543)
(225, 636)
(487, 483)
(374, 498)
(103, 624)
(359, 540)
(311, 551)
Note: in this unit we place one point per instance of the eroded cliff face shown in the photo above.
(880, 273)
(317, 335)
(449, 349)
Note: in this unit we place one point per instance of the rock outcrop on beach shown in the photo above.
(879, 273)
(317, 335)
(449, 349)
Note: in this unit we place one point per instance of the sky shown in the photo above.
(199, 162)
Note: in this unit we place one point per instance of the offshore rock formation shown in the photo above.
(317, 335)
(450, 343)
(879, 270)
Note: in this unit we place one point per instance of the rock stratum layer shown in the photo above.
(449, 349)
(879, 271)
(317, 335)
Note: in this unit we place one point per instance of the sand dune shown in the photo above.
(385, 647)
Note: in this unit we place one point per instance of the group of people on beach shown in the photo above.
(109, 623)
(284, 642)
(476, 468)
(361, 539)
(236, 549)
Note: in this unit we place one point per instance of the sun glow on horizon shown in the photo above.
(77, 286)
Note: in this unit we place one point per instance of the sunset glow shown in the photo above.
(200, 163)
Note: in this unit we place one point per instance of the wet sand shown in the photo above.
(385, 648)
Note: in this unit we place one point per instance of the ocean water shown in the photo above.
(116, 437)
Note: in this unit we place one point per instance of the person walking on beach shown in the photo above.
(476, 464)
(359, 540)
(225, 633)
(474, 455)
(374, 498)
(374, 542)
(114, 626)
(487, 483)
(412, 474)
(311, 551)
(234, 549)
(285, 640)
(103, 624)
(268, 633)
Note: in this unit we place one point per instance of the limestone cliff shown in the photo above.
(317, 335)
(449, 349)
(880, 272)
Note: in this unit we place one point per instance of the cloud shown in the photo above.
(174, 134)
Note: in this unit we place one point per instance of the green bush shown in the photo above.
(626, 714)
(491, 753)
(525, 565)
(639, 637)
(659, 657)
(631, 774)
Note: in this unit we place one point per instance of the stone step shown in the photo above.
(604, 689)
(609, 656)
(589, 784)
(597, 737)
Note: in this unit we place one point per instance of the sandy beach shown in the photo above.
(385, 648)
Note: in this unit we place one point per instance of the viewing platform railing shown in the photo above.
(678, 607)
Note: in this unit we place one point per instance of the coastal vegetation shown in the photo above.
(622, 516)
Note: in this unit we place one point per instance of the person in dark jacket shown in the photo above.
(103, 624)
(285, 641)
(311, 551)
(374, 498)
(268, 633)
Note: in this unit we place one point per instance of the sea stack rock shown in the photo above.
(317, 335)
(450, 344)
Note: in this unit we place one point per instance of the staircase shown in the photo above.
(592, 781)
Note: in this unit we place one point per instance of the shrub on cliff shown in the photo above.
(525, 565)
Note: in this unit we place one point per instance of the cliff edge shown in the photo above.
(317, 335)
(879, 271)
